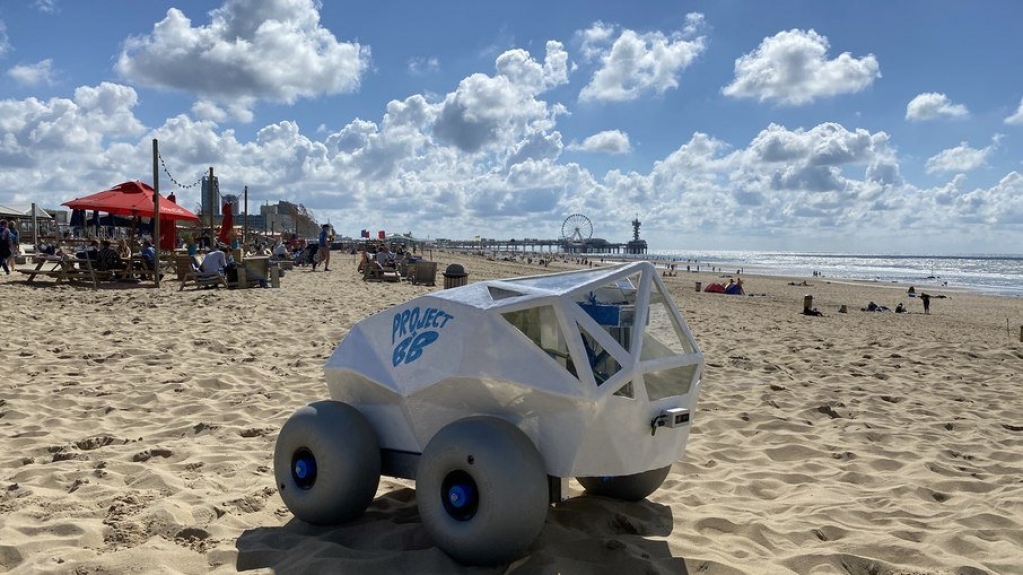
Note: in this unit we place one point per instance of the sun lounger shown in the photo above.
(374, 272)
(187, 273)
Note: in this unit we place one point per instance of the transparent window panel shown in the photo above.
(668, 382)
(540, 325)
(626, 391)
(662, 336)
(613, 307)
(601, 363)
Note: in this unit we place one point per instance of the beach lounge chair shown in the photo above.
(374, 272)
(188, 273)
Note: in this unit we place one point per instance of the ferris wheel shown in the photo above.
(576, 228)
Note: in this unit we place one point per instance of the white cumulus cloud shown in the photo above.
(33, 74)
(932, 105)
(261, 49)
(608, 142)
(497, 110)
(793, 68)
(633, 64)
(961, 158)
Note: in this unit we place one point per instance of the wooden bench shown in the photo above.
(65, 270)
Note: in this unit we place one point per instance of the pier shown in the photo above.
(534, 245)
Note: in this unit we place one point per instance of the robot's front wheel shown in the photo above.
(327, 463)
(481, 488)
(626, 487)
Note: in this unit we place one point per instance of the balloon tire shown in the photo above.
(510, 480)
(347, 461)
(626, 487)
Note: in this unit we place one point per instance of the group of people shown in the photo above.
(106, 257)
(302, 253)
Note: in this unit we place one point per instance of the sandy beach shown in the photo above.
(137, 428)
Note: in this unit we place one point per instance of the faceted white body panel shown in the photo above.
(587, 363)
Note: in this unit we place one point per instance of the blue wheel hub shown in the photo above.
(303, 468)
(460, 495)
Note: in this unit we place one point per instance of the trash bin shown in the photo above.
(698, 286)
(455, 276)
(807, 303)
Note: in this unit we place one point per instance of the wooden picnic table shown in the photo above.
(64, 269)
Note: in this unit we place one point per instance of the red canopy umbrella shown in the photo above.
(226, 225)
(131, 199)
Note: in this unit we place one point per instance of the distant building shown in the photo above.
(211, 200)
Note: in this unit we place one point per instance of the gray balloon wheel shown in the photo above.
(327, 463)
(481, 488)
(626, 487)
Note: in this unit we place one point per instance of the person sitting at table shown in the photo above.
(148, 253)
(214, 263)
(123, 249)
(107, 259)
(89, 253)
(219, 262)
(281, 251)
(384, 256)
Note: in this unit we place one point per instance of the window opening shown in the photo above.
(663, 337)
(603, 365)
(668, 382)
(626, 391)
(613, 307)
(540, 325)
(497, 293)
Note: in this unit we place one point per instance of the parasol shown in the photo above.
(131, 199)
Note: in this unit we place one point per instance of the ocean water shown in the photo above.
(998, 274)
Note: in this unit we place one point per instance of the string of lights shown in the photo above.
(177, 183)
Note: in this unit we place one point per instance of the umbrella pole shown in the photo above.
(245, 224)
(156, 211)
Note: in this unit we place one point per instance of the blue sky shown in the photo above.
(787, 125)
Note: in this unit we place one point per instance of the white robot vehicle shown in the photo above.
(491, 396)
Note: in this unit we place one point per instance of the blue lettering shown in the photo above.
(404, 322)
(413, 330)
(446, 318)
(415, 349)
(399, 351)
(413, 321)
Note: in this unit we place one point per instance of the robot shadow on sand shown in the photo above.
(491, 396)
(581, 535)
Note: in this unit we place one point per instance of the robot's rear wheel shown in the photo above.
(626, 487)
(481, 488)
(327, 463)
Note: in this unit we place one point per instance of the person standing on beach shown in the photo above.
(927, 302)
(323, 255)
(5, 246)
(15, 242)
